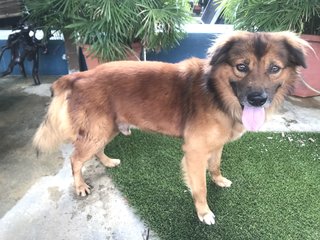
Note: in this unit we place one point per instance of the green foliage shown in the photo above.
(302, 16)
(275, 192)
(51, 14)
(110, 26)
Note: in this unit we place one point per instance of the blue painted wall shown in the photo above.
(52, 63)
(194, 45)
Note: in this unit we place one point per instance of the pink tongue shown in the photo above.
(253, 118)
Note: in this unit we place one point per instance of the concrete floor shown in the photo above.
(38, 200)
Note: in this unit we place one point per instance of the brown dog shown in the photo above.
(207, 102)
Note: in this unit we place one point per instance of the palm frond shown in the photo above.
(301, 16)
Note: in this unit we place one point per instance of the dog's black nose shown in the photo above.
(257, 99)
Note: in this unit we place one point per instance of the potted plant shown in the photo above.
(302, 17)
(56, 15)
(110, 28)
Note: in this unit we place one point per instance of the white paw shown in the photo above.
(208, 218)
(222, 182)
(115, 162)
(111, 162)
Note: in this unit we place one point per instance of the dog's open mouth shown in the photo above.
(253, 117)
(253, 109)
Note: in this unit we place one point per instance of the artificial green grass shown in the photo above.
(275, 192)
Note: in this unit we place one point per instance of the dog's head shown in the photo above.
(252, 72)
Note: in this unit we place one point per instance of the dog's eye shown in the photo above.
(242, 68)
(274, 69)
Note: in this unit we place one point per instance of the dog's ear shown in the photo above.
(296, 48)
(219, 52)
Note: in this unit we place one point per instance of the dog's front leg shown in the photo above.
(214, 168)
(194, 165)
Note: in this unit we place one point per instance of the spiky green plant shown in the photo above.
(301, 16)
(110, 26)
(51, 14)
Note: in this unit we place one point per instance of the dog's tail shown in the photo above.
(56, 127)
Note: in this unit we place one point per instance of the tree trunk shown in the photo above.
(72, 53)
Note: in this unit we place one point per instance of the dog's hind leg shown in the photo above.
(87, 147)
(214, 168)
(108, 162)
(83, 151)
(104, 159)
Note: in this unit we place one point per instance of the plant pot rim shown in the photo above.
(311, 38)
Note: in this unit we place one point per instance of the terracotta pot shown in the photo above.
(92, 61)
(311, 75)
